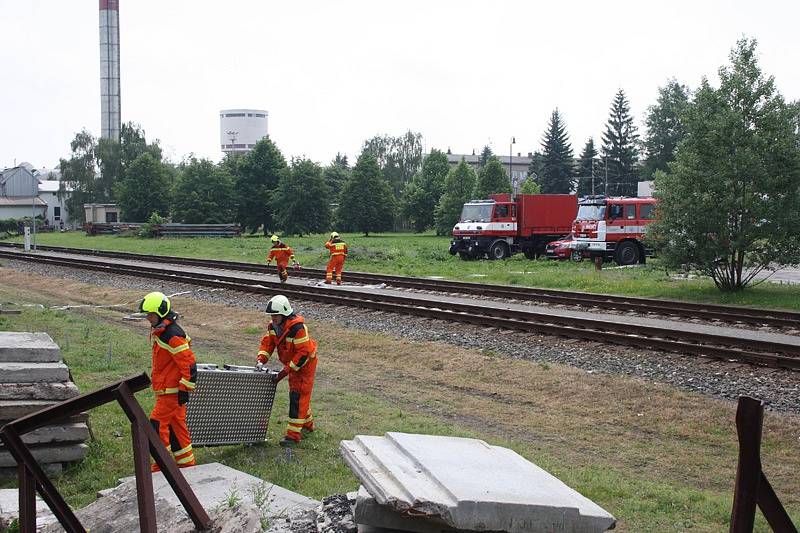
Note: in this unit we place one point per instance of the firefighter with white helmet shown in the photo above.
(338, 250)
(282, 254)
(297, 351)
(174, 374)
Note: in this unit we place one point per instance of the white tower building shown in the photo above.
(109, 70)
(241, 129)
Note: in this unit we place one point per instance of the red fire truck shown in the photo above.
(501, 226)
(614, 227)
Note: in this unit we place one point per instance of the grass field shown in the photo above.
(426, 255)
(657, 458)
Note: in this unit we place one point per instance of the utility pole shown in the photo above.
(33, 208)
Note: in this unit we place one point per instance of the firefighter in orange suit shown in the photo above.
(298, 352)
(174, 375)
(281, 253)
(338, 250)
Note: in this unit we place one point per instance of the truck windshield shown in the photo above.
(476, 213)
(591, 212)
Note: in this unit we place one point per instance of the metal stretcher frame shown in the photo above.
(230, 405)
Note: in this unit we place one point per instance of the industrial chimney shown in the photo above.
(109, 70)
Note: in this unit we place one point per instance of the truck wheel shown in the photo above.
(499, 250)
(576, 255)
(530, 253)
(627, 253)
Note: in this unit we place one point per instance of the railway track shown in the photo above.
(644, 306)
(725, 347)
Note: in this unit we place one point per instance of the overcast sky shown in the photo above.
(334, 73)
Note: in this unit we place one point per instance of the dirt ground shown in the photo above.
(637, 427)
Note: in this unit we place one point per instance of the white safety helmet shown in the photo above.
(334, 235)
(279, 305)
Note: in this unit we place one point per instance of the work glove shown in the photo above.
(275, 378)
(296, 265)
(183, 397)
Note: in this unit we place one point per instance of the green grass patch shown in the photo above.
(426, 255)
(99, 352)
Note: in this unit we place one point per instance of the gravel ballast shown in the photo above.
(780, 389)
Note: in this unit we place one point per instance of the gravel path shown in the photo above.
(779, 388)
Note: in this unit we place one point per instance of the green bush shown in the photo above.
(149, 229)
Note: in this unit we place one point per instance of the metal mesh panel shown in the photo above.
(229, 406)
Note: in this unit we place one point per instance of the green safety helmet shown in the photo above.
(155, 302)
(334, 235)
(274, 238)
(279, 305)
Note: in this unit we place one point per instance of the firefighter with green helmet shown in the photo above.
(173, 375)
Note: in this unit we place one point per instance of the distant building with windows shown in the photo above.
(241, 129)
(25, 190)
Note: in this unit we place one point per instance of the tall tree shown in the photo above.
(146, 190)
(557, 172)
(257, 175)
(665, 127)
(336, 175)
(458, 187)
(590, 179)
(204, 193)
(492, 179)
(79, 173)
(619, 148)
(422, 194)
(728, 206)
(367, 203)
(536, 166)
(302, 200)
(399, 158)
(486, 155)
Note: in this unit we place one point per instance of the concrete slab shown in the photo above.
(39, 391)
(33, 372)
(468, 484)
(28, 347)
(214, 483)
(368, 512)
(9, 508)
(13, 409)
(61, 434)
(49, 454)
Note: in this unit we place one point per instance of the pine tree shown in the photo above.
(557, 171)
(492, 179)
(590, 178)
(367, 202)
(665, 128)
(458, 187)
(619, 149)
(301, 201)
(257, 175)
(536, 166)
(336, 175)
(486, 155)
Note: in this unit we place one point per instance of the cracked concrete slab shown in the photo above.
(17, 372)
(468, 484)
(28, 347)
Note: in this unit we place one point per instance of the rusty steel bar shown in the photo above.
(164, 459)
(32, 473)
(749, 421)
(76, 405)
(27, 500)
(144, 477)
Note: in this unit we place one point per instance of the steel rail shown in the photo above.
(762, 352)
(647, 306)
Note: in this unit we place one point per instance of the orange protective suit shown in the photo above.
(338, 250)
(282, 254)
(174, 374)
(298, 353)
